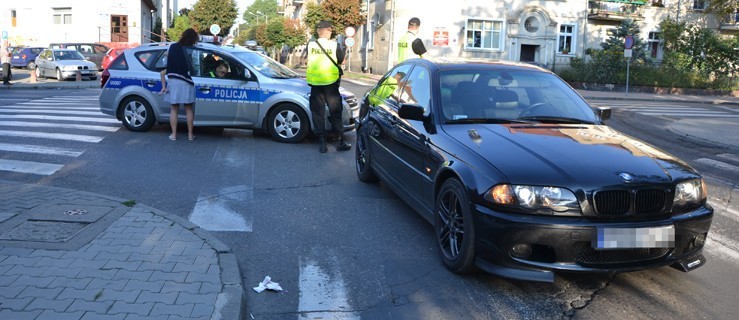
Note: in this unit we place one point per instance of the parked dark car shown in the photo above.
(94, 52)
(25, 57)
(522, 178)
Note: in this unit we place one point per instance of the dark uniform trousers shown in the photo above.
(320, 96)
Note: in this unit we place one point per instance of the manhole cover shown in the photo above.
(45, 231)
(76, 212)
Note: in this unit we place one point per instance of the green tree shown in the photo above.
(313, 15)
(157, 31)
(295, 33)
(180, 24)
(615, 43)
(722, 8)
(268, 9)
(343, 13)
(208, 12)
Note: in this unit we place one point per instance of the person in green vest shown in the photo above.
(384, 90)
(323, 76)
(410, 46)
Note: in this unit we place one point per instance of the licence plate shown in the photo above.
(629, 238)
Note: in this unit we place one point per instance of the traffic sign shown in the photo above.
(215, 29)
(349, 42)
(629, 42)
(628, 53)
(350, 31)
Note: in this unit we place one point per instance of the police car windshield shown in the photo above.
(266, 66)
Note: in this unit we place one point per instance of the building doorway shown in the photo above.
(528, 53)
(118, 28)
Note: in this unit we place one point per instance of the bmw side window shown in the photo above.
(388, 85)
(417, 88)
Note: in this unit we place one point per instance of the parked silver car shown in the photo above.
(64, 64)
(91, 51)
(257, 93)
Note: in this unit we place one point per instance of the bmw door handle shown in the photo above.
(204, 89)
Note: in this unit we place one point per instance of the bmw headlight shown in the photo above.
(690, 193)
(535, 199)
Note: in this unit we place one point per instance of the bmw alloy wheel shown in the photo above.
(454, 229)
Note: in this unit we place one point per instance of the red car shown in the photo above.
(110, 56)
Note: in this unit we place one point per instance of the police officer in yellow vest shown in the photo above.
(410, 46)
(323, 75)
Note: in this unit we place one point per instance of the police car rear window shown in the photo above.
(119, 63)
(146, 57)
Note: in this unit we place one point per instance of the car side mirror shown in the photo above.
(604, 113)
(247, 74)
(411, 112)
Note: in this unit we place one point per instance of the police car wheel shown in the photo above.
(288, 123)
(136, 114)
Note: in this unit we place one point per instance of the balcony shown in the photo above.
(616, 10)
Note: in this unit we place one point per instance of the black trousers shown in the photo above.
(320, 96)
(6, 72)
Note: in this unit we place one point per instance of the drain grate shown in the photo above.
(76, 212)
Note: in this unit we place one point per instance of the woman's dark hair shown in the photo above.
(189, 37)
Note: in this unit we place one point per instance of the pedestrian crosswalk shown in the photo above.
(674, 110)
(41, 136)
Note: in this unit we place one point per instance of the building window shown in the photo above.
(484, 34)
(62, 15)
(699, 4)
(655, 45)
(566, 39)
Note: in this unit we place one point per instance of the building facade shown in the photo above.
(40, 22)
(546, 32)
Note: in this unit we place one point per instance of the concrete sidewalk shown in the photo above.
(67, 254)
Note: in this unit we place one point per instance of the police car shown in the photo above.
(257, 92)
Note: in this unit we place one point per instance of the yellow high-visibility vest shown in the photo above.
(405, 51)
(321, 71)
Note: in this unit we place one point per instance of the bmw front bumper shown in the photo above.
(532, 247)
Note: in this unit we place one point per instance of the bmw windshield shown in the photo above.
(266, 65)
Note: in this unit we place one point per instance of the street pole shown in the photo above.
(628, 62)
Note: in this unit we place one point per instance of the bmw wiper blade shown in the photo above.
(548, 119)
(486, 120)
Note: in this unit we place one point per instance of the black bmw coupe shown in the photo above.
(522, 178)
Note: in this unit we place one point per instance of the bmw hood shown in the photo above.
(576, 154)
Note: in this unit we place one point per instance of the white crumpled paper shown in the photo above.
(267, 284)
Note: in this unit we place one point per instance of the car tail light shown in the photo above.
(104, 78)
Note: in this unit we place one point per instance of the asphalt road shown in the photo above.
(343, 249)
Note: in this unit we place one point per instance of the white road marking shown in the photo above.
(689, 114)
(56, 111)
(729, 156)
(323, 295)
(39, 168)
(722, 247)
(47, 107)
(27, 148)
(717, 164)
(228, 207)
(58, 118)
(214, 213)
(46, 135)
(56, 125)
